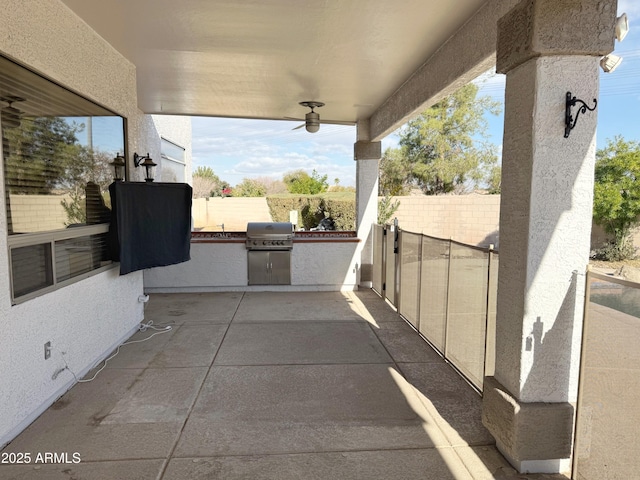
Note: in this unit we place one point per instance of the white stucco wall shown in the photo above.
(548, 195)
(223, 266)
(176, 129)
(86, 320)
(326, 266)
(367, 156)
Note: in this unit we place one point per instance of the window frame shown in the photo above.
(174, 160)
(50, 237)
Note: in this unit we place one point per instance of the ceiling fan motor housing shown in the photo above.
(312, 122)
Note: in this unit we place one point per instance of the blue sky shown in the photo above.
(237, 149)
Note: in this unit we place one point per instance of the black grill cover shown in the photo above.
(150, 224)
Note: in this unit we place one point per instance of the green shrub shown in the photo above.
(341, 206)
(616, 195)
(342, 210)
(613, 251)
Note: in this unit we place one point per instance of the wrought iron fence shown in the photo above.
(608, 413)
(446, 290)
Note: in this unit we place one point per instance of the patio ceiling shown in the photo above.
(259, 58)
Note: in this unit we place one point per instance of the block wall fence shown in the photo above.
(471, 219)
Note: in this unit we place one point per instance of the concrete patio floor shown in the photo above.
(326, 385)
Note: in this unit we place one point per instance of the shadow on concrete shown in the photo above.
(267, 385)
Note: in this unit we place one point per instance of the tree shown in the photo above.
(250, 188)
(395, 173)
(87, 171)
(273, 186)
(386, 208)
(616, 202)
(51, 146)
(299, 181)
(205, 172)
(493, 179)
(207, 184)
(43, 157)
(441, 151)
(203, 187)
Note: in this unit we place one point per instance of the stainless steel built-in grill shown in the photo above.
(269, 236)
(269, 247)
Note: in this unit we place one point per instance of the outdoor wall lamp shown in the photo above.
(147, 163)
(622, 27)
(610, 62)
(118, 165)
(569, 120)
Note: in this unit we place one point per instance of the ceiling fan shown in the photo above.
(11, 115)
(312, 118)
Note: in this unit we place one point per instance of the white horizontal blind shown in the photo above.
(56, 151)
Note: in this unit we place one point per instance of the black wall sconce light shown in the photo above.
(147, 163)
(569, 120)
(118, 165)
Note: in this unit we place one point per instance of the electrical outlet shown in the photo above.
(47, 350)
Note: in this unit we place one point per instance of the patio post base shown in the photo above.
(533, 437)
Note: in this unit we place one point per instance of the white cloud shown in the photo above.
(289, 161)
(236, 148)
(277, 167)
(332, 148)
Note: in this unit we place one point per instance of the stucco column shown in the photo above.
(367, 155)
(546, 48)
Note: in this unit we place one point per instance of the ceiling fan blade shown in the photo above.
(299, 126)
(337, 122)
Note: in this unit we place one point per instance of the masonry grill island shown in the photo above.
(269, 246)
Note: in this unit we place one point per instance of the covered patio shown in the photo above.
(312, 381)
(269, 385)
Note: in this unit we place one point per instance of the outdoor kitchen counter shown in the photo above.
(299, 237)
(322, 260)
